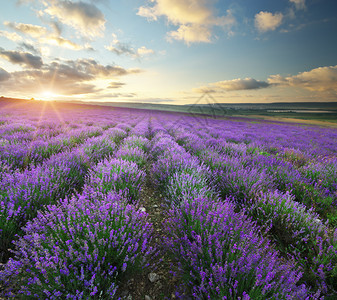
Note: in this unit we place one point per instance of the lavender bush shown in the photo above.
(220, 256)
(117, 175)
(80, 249)
(134, 141)
(300, 233)
(188, 184)
(22, 194)
(116, 134)
(132, 154)
(98, 148)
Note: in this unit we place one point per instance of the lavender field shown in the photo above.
(113, 203)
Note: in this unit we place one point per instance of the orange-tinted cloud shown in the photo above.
(115, 85)
(266, 21)
(43, 35)
(321, 79)
(194, 18)
(71, 77)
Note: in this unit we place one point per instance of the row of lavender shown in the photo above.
(216, 252)
(84, 246)
(261, 186)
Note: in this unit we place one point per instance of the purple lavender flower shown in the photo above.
(117, 175)
(79, 249)
(136, 155)
(188, 185)
(300, 233)
(220, 256)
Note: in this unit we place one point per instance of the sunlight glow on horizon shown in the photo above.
(48, 96)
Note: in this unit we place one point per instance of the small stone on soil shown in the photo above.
(153, 277)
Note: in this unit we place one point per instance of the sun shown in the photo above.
(48, 95)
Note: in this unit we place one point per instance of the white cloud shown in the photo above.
(84, 17)
(148, 12)
(321, 79)
(191, 34)
(143, 51)
(120, 48)
(62, 42)
(195, 18)
(266, 21)
(29, 29)
(42, 35)
(13, 36)
(300, 4)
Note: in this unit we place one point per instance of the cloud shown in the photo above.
(62, 42)
(22, 58)
(154, 100)
(116, 85)
(84, 17)
(70, 77)
(29, 47)
(204, 90)
(13, 36)
(241, 84)
(4, 75)
(178, 11)
(194, 18)
(191, 34)
(266, 21)
(46, 37)
(90, 67)
(29, 29)
(322, 79)
(57, 27)
(143, 51)
(120, 48)
(233, 85)
(102, 95)
(300, 4)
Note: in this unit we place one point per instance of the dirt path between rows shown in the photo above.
(157, 282)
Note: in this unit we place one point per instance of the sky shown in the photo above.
(169, 51)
